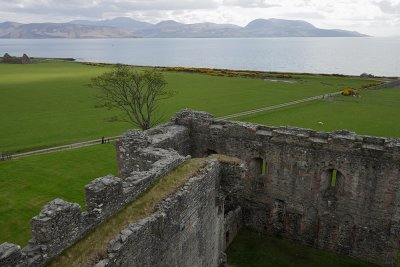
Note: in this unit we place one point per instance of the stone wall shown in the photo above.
(60, 224)
(169, 137)
(233, 222)
(296, 197)
(10, 254)
(16, 60)
(337, 191)
(186, 230)
(392, 84)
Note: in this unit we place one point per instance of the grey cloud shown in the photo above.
(249, 3)
(60, 9)
(167, 4)
(304, 3)
(305, 15)
(388, 7)
(100, 7)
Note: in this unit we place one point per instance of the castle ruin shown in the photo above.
(16, 60)
(336, 191)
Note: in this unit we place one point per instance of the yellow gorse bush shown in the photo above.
(349, 91)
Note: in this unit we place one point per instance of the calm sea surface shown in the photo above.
(379, 56)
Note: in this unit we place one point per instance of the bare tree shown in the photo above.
(136, 93)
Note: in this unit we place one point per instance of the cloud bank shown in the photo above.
(374, 17)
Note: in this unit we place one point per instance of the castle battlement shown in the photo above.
(60, 224)
(342, 141)
(337, 191)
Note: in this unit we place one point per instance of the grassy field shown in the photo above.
(50, 104)
(376, 112)
(250, 249)
(29, 183)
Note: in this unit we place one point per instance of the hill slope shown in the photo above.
(7, 27)
(124, 23)
(63, 30)
(292, 28)
(126, 27)
(256, 28)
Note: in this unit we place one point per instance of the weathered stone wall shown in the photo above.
(233, 222)
(190, 228)
(167, 136)
(60, 224)
(338, 191)
(16, 60)
(392, 84)
(10, 254)
(295, 198)
(186, 230)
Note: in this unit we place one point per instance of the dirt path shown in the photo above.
(114, 138)
(65, 147)
(269, 108)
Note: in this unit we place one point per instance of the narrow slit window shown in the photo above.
(264, 167)
(257, 166)
(333, 178)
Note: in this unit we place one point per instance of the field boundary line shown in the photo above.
(65, 147)
(277, 106)
(115, 138)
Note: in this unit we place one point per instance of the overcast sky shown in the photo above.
(374, 17)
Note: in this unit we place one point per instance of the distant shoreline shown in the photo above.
(55, 58)
(202, 69)
(34, 60)
(192, 37)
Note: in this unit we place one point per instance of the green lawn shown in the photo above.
(29, 183)
(376, 112)
(250, 249)
(49, 104)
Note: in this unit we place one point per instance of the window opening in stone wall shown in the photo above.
(227, 237)
(257, 165)
(211, 152)
(264, 167)
(333, 178)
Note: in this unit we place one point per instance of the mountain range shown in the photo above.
(129, 28)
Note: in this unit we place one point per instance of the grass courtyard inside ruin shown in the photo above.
(49, 104)
(251, 249)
